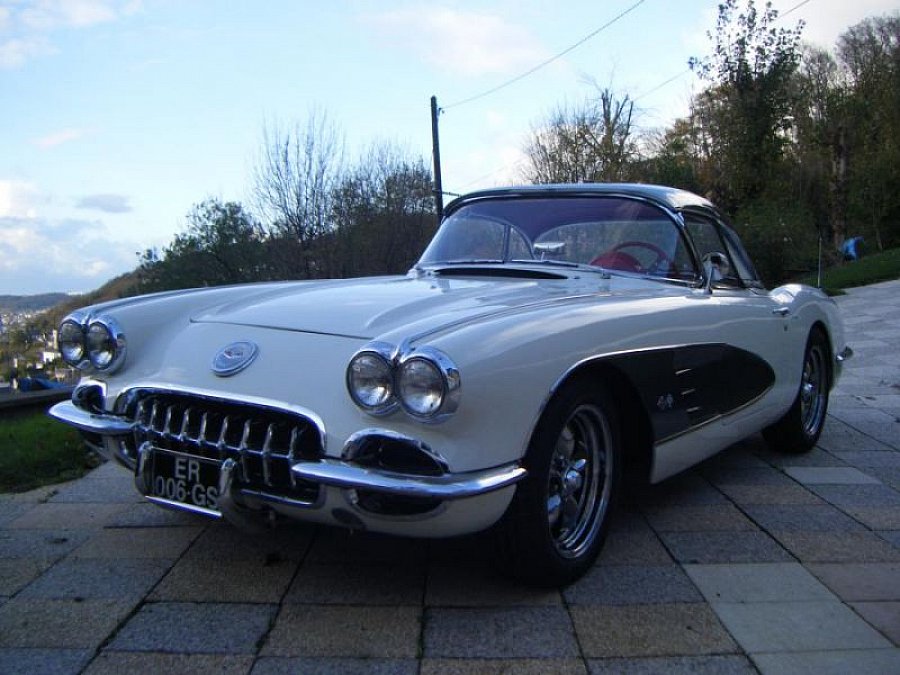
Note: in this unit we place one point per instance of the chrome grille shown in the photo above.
(264, 442)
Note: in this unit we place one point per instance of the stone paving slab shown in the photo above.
(524, 632)
(343, 584)
(17, 573)
(345, 631)
(481, 586)
(116, 663)
(797, 626)
(196, 628)
(854, 582)
(335, 666)
(66, 516)
(724, 547)
(814, 547)
(650, 630)
(77, 578)
(43, 544)
(44, 661)
(765, 582)
(245, 581)
(884, 616)
(168, 543)
(632, 585)
(831, 662)
(829, 475)
(674, 665)
(60, 624)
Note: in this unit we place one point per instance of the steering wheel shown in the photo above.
(617, 259)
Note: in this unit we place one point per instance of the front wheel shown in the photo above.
(559, 517)
(799, 429)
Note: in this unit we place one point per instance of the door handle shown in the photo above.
(781, 311)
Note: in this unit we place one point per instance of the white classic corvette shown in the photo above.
(550, 339)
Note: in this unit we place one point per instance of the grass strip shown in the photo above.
(36, 450)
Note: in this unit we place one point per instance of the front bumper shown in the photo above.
(350, 477)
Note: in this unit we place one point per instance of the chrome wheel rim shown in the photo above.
(579, 484)
(813, 387)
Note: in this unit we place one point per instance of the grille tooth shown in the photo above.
(154, 414)
(201, 434)
(221, 446)
(243, 449)
(185, 426)
(167, 425)
(296, 433)
(266, 454)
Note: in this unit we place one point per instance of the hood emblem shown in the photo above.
(234, 358)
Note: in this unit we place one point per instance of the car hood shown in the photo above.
(366, 308)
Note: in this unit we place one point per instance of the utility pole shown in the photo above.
(436, 153)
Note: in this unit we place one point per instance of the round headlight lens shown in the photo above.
(369, 381)
(101, 345)
(71, 342)
(421, 387)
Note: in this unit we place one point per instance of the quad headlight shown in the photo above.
(70, 339)
(370, 381)
(424, 382)
(98, 343)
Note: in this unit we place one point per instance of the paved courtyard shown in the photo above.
(752, 562)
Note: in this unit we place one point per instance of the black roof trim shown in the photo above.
(673, 198)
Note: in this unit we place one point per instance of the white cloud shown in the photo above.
(59, 137)
(827, 19)
(27, 26)
(18, 199)
(107, 203)
(471, 43)
(37, 255)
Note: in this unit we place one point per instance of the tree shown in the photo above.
(383, 214)
(746, 110)
(870, 53)
(590, 142)
(822, 122)
(294, 180)
(222, 244)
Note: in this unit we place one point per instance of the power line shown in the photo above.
(548, 61)
(795, 7)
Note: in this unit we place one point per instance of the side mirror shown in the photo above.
(716, 267)
(546, 248)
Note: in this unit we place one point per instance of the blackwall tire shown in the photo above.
(559, 517)
(799, 430)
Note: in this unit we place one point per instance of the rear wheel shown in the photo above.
(799, 429)
(559, 517)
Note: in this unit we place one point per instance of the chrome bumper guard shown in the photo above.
(97, 423)
(446, 487)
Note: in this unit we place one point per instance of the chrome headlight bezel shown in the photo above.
(398, 363)
(375, 355)
(101, 339)
(107, 354)
(71, 331)
(445, 383)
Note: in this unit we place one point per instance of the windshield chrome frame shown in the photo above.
(674, 216)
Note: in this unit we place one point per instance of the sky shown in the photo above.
(117, 116)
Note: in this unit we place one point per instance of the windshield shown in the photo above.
(610, 233)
